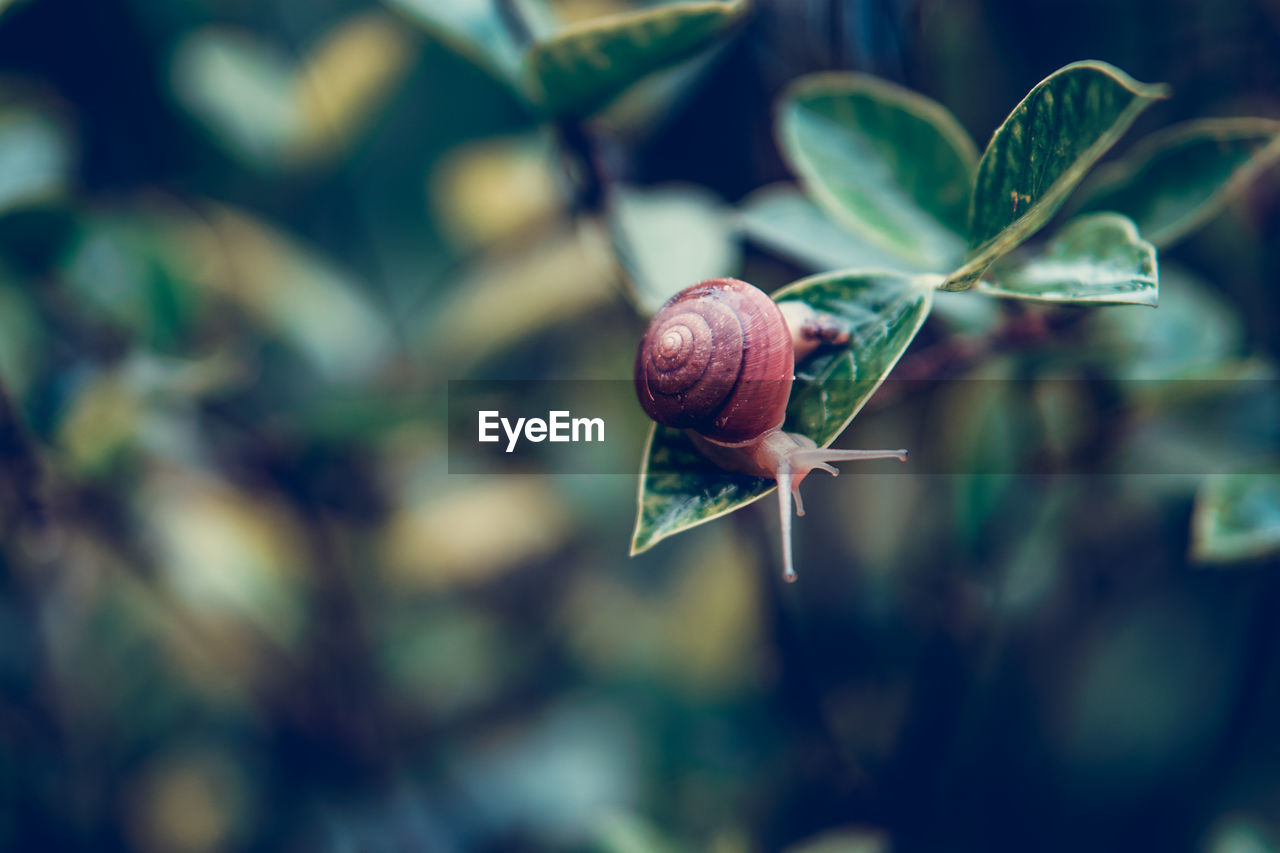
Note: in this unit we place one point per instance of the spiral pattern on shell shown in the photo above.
(717, 358)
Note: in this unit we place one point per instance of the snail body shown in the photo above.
(718, 360)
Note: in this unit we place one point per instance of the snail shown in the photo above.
(718, 361)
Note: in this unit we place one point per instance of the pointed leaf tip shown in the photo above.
(1097, 259)
(1042, 151)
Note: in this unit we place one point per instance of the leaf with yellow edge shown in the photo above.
(1176, 180)
(1237, 518)
(1040, 154)
(582, 68)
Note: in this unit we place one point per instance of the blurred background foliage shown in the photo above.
(243, 605)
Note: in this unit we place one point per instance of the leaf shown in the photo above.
(447, 541)
(473, 27)
(1041, 152)
(784, 220)
(345, 82)
(5, 5)
(241, 89)
(227, 554)
(680, 489)
(845, 840)
(891, 165)
(1176, 180)
(1195, 334)
(293, 291)
(271, 111)
(1098, 259)
(513, 295)
(127, 268)
(497, 189)
(671, 237)
(22, 338)
(1237, 517)
(583, 67)
(35, 158)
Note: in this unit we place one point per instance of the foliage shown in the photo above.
(900, 172)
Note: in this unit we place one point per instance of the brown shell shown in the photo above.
(717, 359)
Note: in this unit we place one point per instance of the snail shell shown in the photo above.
(717, 359)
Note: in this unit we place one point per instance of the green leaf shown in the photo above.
(1195, 334)
(23, 338)
(786, 221)
(242, 89)
(35, 158)
(1041, 152)
(680, 489)
(891, 165)
(269, 109)
(1098, 259)
(127, 268)
(1176, 180)
(584, 67)
(473, 27)
(1237, 517)
(860, 840)
(671, 237)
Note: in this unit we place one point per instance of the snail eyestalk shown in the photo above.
(811, 329)
(792, 464)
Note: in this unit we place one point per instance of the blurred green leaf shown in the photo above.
(1237, 517)
(446, 660)
(1098, 259)
(553, 774)
(1042, 151)
(680, 488)
(448, 539)
(699, 634)
(1175, 180)
(583, 67)
(290, 289)
(644, 111)
(144, 401)
(891, 165)
(964, 314)
(345, 81)
(496, 189)
(1240, 833)
(126, 268)
(1193, 333)
(671, 237)
(510, 296)
(231, 556)
(785, 220)
(627, 833)
(22, 341)
(241, 88)
(271, 110)
(473, 27)
(844, 841)
(1147, 693)
(35, 156)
